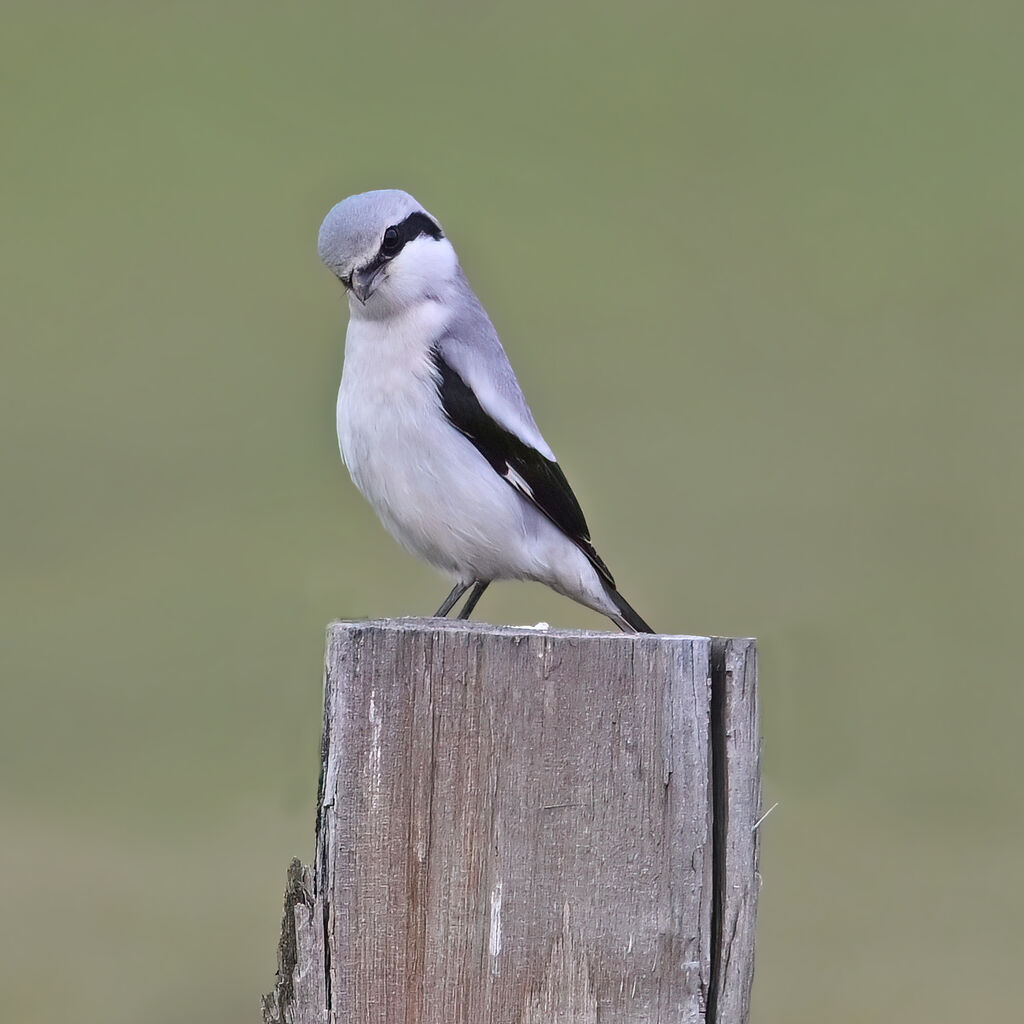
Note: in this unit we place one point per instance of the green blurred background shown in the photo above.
(759, 270)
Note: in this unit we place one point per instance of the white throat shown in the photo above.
(422, 272)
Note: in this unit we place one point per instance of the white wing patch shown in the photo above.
(517, 482)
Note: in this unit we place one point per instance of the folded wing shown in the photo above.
(527, 469)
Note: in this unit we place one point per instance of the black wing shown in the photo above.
(539, 480)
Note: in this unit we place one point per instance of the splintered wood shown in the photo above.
(523, 827)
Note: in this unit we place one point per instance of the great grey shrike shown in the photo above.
(433, 426)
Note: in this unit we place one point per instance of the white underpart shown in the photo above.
(433, 491)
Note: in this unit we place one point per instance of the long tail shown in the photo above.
(627, 620)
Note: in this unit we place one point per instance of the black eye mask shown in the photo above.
(398, 235)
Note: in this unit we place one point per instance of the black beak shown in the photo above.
(363, 281)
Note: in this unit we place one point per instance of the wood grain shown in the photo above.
(736, 778)
(516, 827)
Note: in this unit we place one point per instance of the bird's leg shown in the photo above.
(449, 602)
(479, 587)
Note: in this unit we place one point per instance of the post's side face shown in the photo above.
(515, 826)
(736, 771)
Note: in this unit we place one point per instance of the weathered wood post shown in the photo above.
(527, 827)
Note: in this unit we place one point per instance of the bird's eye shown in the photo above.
(392, 242)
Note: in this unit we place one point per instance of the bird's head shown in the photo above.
(387, 251)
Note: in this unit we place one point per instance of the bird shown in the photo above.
(433, 425)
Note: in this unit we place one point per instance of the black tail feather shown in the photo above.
(629, 616)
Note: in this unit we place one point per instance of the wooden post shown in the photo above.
(527, 827)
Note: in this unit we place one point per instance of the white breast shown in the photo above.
(432, 489)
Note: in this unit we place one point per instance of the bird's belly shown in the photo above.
(431, 488)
